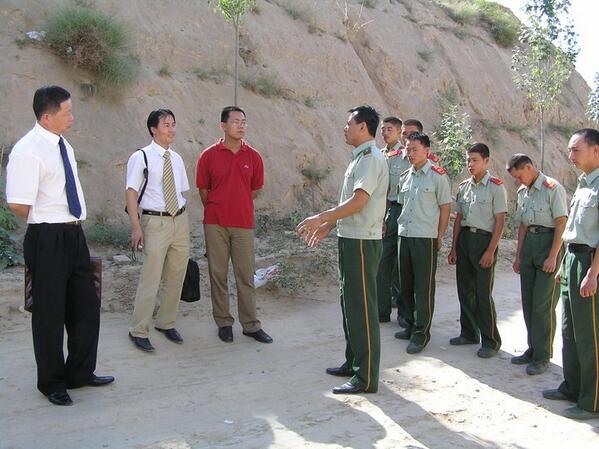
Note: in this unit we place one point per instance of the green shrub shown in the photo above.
(10, 254)
(369, 3)
(266, 85)
(93, 41)
(105, 233)
(454, 135)
(498, 20)
(165, 71)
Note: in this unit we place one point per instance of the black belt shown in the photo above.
(476, 230)
(580, 248)
(394, 203)
(162, 214)
(537, 229)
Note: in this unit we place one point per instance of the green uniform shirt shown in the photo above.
(398, 162)
(480, 202)
(367, 171)
(422, 192)
(541, 203)
(583, 221)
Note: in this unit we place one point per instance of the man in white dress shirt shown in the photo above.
(42, 186)
(162, 231)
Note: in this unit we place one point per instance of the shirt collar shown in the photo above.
(397, 146)
(159, 149)
(484, 180)
(359, 149)
(588, 179)
(539, 181)
(48, 135)
(221, 145)
(424, 169)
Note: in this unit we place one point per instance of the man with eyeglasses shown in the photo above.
(229, 176)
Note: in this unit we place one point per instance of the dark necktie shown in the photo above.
(70, 185)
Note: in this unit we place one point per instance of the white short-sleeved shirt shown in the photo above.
(153, 198)
(35, 177)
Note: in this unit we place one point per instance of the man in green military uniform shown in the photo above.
(359, 220)
(542, 211)
(579, 272)
(387, 279)
(481, 207)
(426, 197)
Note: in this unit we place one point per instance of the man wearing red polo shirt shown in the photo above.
(229, 175)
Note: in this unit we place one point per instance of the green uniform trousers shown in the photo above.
(540, 293)
(358, 263)
(417, 268)
(580, 334)
(478, 318)
(387, 279)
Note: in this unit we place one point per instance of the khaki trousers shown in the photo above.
(236, 244)
(166, 247)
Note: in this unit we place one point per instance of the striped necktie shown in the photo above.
(168, 186)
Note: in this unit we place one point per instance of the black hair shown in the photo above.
(414, 122)
(422, 138)
(224, 115)
(394, 121)
(518, 161)
(155, 116)
(481, 149)
(590, 135)
(47, 99)
(366, 114)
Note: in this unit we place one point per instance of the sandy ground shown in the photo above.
(207, 394)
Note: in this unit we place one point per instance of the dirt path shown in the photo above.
(207, 394)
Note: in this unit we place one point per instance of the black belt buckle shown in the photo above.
(538, 229)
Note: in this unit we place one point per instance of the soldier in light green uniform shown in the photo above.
(481, 207)
(426, 197)
(579, 272)
(542, 212)
(387, 279)
(359, 220)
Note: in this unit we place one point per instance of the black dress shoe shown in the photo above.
(402, 322)
(60, 398)
(172, 335)
(347, 388)
(342, 371)
(259, 335)
(405, 334)
(225, 333)
(100, 381)
(142, 343)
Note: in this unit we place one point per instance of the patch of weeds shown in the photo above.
(105, 233)
(255, 9)
(165, 71)
(491, 131)
(371, 4)
(499, 21)
(265, 85)
(314, 174)
(21, 42)
(311, 101)
(342, 37)
(564, 129)
(426, 55)
(93, 41)
(421, 68)
(212, 74)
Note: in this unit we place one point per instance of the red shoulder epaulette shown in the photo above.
(496, 181)
(393, 153)
(432, 157)
(549, 184)
(438, 169)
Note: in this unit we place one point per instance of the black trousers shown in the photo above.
(64, 296)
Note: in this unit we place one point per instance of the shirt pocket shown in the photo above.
(427, 194)
(588, 208)
(542, 214)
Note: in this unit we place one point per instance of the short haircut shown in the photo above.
(394, 121)
(422, 138)
(590, 135)
(518, 161)
(155, 116)
(481, 149)
(414, 122)
(224, 115)
(47, 99)
(366, 114)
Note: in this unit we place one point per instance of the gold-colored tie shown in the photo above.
(168, 186)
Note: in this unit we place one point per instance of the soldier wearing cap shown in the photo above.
(387, 279)
(359, 220)
(542, 212)
(426, 195)
(578, 274)
(480, 209)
